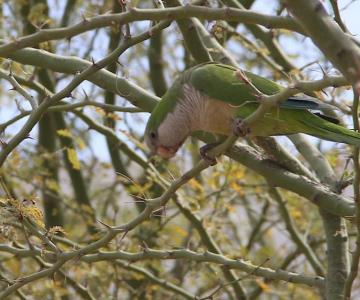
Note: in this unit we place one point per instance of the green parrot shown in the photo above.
(211, 98)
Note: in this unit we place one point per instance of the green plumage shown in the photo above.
(219, 82)
(230, 97)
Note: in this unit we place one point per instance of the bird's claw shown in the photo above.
(240, 128)
(204, 153)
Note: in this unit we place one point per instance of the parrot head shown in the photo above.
(168, 127)
(160, 145)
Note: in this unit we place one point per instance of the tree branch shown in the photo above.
(354, 269)
(135, 14)
(337, 46)
(237, 264)
(158, 281)
(295, 235)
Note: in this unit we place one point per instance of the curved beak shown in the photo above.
(166, 152)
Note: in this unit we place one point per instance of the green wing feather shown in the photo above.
(326, 130)
(292, 116)
(218, 81)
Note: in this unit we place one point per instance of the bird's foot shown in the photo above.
(204, 153)
(240, 128)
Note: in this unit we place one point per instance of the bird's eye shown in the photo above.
(152, 134)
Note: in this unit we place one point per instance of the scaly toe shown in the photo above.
(240, 128)
(204, 154)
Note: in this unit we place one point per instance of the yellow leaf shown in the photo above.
(100, 111)
(87, 209)
(3, 201)
(14, 265)
(296, 213)
(72, 156)
(230, 208)
(239, 174)
(64, 133)
(237, 188)
(52, 185)
(113, 116)
(263, 285)
(80, 143)
(139, 189)
(15, 158)
(37, 13)
(180, 231)
(34, 213)
(196, 185)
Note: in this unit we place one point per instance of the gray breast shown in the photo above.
(195, 111)
(206, 113)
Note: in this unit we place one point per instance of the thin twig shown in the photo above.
(354, 269)
(135, 14)
(17, 87)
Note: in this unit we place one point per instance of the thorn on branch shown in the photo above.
(227, 11)
(169, 254)
(3, 143)
(268, 26)
(41, 26)
(86, 95)
(9, 282)
(160, 212)
(144, 247)
(323, 71)
(272, 33)
(239, 74)
(18, 106)
(323, 91)
(341, 53)
(206, 253)
(132, 10)
(105, 225)
(84, 19)
(123, 236)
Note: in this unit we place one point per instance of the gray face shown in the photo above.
(171, 134)
(151, 141)
(164, 150)
(177, 125)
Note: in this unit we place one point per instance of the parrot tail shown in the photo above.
(325, 128)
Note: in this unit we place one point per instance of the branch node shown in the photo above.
(84, 19)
